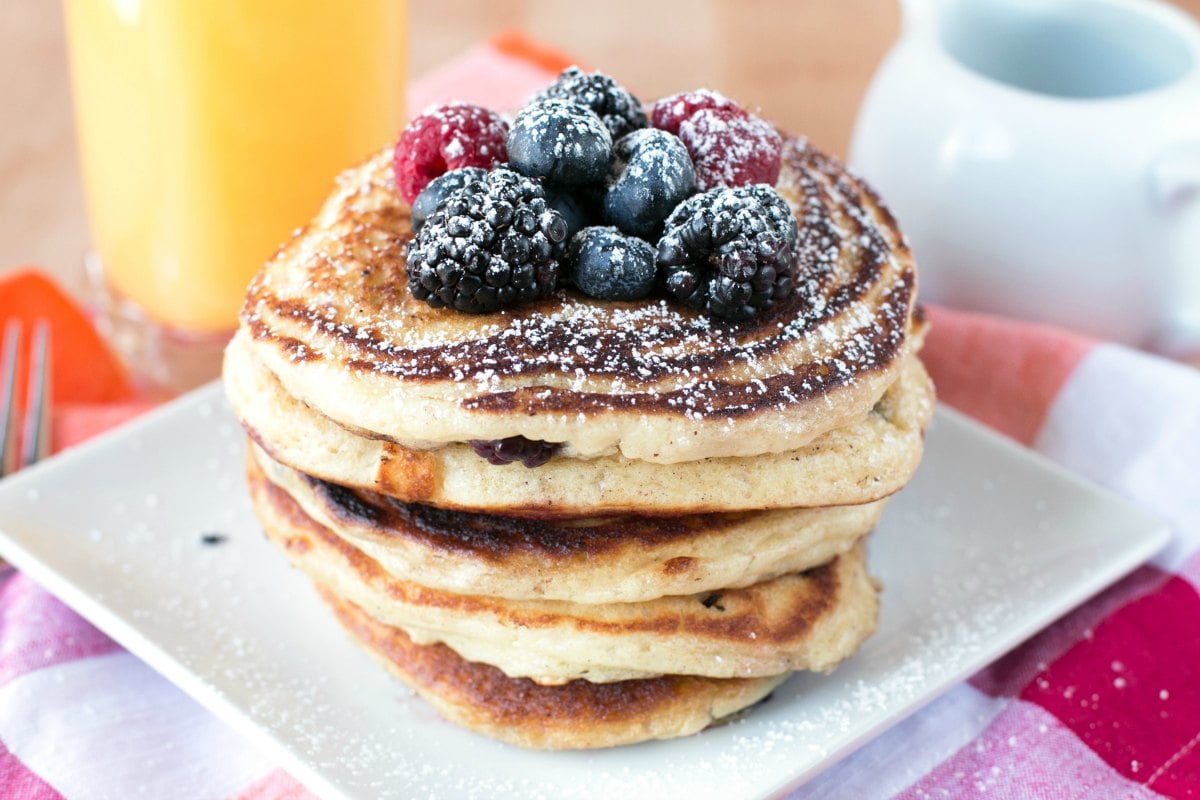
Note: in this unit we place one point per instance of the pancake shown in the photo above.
(597, 560)
(858, 463)
(574, 715)
(811, 620)
(331, 318)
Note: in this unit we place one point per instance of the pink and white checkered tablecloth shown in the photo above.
(1103, 704)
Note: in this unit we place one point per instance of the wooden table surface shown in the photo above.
(806, 63)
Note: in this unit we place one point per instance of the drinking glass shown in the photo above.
(208, 130)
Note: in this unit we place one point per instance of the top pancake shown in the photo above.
(331, 316)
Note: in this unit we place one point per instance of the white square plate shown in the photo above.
(987, 545)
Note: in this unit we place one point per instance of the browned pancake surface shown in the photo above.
(579, 714)
(810, 620)
(736, 612)
(495, 537)
(583, 560)
(640, 342)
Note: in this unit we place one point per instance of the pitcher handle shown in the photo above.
(1175, 176)
(1175, 186)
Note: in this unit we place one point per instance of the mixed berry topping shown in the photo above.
(620, 110)
(651, 174)
(530, 452)
(670, 112)
(493, 243)
(446, 138)
(608, 265)
(731, 148)
(730, 252)
(494, 208)
(561, 141)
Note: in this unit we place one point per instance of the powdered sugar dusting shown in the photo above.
(968, 567)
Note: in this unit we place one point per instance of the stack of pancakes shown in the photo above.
(697, 534)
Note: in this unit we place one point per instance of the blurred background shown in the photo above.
(806, 63)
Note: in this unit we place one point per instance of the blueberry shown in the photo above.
(439, 189)
(577, 208)
(651, 174)
(561, 141)
(609, 265)
(530, 452)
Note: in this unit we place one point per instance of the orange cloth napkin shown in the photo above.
(90, 389)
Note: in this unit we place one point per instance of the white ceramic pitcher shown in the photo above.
(1043, 157)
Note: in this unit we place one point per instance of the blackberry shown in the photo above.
(608, 265)
(561, 141)
(651, 174)
(438, 190)
(620, 110)
(730, 252)
(493, 243)
(530, 452)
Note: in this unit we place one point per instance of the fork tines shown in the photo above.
(34, 438)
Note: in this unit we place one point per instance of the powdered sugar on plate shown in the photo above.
(984, 547)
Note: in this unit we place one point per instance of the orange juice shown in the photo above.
(209, 129)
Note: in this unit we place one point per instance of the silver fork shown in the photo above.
(24, 441)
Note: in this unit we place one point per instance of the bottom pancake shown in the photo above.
(575, 715)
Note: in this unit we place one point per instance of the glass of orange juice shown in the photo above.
(209, 130)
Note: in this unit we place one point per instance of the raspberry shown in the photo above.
(530, 452)
(731, 148)
(492, 244)
(671, 112)
(620, 111)
(446, 138)
(730, 252)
